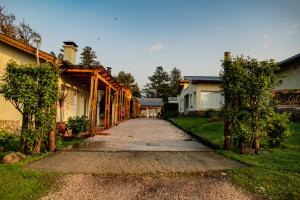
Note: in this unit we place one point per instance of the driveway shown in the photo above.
(142, 135)
(141, 159)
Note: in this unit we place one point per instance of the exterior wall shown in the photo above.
(291, 80)
(193, 92)
(10, 116)
(150, 112)
(77, 102)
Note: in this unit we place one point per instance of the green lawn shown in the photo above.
(17, 182)
(272, 174)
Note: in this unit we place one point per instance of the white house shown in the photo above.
(197, 94)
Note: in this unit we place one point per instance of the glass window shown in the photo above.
(211, 100)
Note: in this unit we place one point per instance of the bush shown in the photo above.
(278, 128)
(77, 124)
(169, 110)
(212, 113)
(5, 137)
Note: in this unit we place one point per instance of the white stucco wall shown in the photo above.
(191, 90)
(291, 80)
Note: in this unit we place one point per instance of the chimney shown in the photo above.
(227, 55)
(70, 49)
(108, 69)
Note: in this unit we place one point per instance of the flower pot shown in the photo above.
(68, 137)
(61, 127)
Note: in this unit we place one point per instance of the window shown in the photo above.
(211, 100)
(195, 102)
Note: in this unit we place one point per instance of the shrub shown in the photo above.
(170, 110)
(212, 113)
(278, 128)
(77, 124)
(5, 137)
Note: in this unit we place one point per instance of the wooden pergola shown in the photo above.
(96, 78)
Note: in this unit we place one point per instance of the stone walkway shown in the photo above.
(141, 159)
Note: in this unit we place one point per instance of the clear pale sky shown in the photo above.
(138, 35)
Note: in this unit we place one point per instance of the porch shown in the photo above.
(109, 102)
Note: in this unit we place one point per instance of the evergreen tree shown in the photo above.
(88, 56)
(128, 80)
(175, 77)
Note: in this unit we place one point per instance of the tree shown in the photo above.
(247, 87)
(7, 26)
(26, 34)
(128, 80)
(88, 56)
(175, 77)
(162, 84)
(33, 90)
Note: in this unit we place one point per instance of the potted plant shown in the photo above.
(77, 124)
(62, 99)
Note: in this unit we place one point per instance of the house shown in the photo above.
(151, 107)
(92, 91)
(198, 94)
(288, 92)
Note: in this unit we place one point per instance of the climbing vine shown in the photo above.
(33, 90)
(247, 87)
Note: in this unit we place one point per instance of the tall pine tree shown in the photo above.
(88, 56)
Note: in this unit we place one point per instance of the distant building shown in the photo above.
(197, 94)
(172, 100)
(150, 107)
(288, 93)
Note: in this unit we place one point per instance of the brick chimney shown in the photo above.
(70, 49)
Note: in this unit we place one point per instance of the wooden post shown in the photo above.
(91, 106)
(116, 105)
(107, 116)
(227, 130)
(94, 116)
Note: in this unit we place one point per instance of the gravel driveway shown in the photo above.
(123, 165)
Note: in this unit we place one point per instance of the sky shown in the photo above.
(138, 35)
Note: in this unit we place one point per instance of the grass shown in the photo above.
(18, 182)
(271, 174)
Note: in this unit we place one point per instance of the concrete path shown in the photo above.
(142, 135)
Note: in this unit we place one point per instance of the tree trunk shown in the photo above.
(37, 147)
(23, 145)
(51, 135)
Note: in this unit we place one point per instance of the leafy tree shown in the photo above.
(33, 90)
(61, 54)
(52, 53)
(247, 87)
(23, 32)
(26, 34)
(7, 26)
(175, 77)
(128, 80)
(88, 56)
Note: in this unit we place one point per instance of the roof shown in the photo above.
(153, 102)
(29, 49)
(70, 43)
(291, 60)
(203, 79)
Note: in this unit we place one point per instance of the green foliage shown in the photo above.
(33, 90)
(5, 137)
(162, 84)
(88, 56)
(278, 128)
(247, 86)
(128, 80)
(77, 124)
(272, 174)
(212, 113)
(169, 110)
